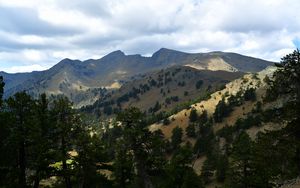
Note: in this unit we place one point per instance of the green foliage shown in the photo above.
(241, 167)
(123, 170)
(199, 83)
(179, 173)
(155, 108)
(222, 168)
(21, 107)
(250, 94)
(1, 89)
(193, 115)
(176, 138)
(166, 121)
(221, 111)
(203, 118)
(190, 130)
(107, 110)
(204, 140)
(37, 136)
(147, 148)
(286, 78)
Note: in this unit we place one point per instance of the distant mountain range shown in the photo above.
(86, 81)
(163, 90)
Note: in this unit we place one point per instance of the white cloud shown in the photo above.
(25, 68)
(83, 29)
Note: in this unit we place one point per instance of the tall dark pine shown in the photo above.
(287, 81)
(176, 138)
(137, 137)
(1, 89)
(220, 111)
(241, 165)
(41, 136)
(287, 77)
(64, 117)
(20, 106)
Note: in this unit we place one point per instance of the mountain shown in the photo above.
(162, 90)
(253, 115)
(75, 78)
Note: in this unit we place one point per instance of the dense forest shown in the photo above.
(47, 143)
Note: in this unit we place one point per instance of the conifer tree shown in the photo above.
(241, 166)
(65, 128)
(21, 108)
(176, 138)
(1, 89)
(138, 140)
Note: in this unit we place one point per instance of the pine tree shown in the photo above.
(41, 141)
(179, 172)
(142, 143)
(1, 89)
(123, 171)
(193, 115)
(91, 157)
(65, 128)
(21, 108)
(241, 165)
(190, 130)
(176, 138)
(221, 111)
(203, 118)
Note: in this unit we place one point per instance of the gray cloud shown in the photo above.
(26, 21)
(42, 33)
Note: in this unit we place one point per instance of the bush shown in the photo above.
(199, 84)
(250, 95)
(193, 115)
(176, 137)
(166, 121)
(190, 130)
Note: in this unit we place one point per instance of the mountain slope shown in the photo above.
(160, 91)
(239, 119)
(232, 88)
(73, 77)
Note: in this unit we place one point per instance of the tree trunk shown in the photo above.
(144, 179)
(22, 174)
(36, 180)
(65, 167)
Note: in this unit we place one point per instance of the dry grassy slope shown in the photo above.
(70, 77)
(177, 75)
(213, 64)
(181, 119)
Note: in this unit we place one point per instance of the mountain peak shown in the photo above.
(162, 51)
(116, 53)
(65, 60)
(166, 52)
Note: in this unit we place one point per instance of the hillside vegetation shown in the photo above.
(83, 82)
(159, 91)
(246, 134)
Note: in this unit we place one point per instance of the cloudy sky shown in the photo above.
(36, 34)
